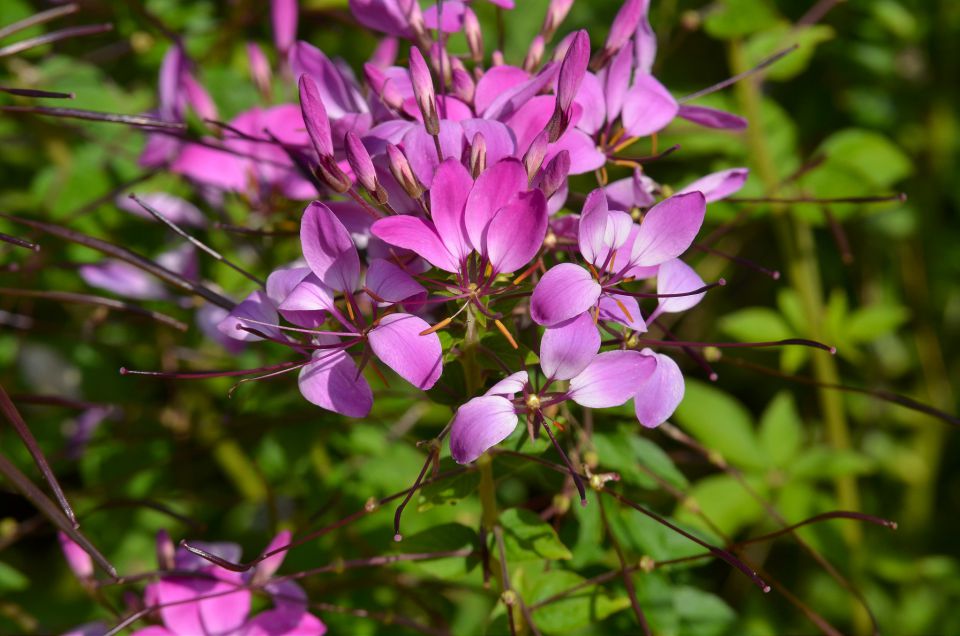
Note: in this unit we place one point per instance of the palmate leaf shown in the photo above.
(586, 607)
(526, 537)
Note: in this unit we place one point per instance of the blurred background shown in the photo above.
(867, 106)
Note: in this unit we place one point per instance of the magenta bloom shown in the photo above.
(496, 216)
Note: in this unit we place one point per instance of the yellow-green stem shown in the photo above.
(797, 242)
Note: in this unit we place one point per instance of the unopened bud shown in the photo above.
(315, 117)
(462, 84)
(423, 91)
(496, 59)
(331, 174)
(360, 162)
(478, 155)
(556, 13)
(535, 154)
(624, 25)
(474, 34)
(534, 54)
(259, 68)
(165, 551)
(403, 173)
(554, 175)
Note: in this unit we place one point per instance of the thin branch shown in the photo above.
(100, 301)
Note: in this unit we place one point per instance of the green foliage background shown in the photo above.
(872, 90)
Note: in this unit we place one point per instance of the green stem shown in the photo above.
(796, 240)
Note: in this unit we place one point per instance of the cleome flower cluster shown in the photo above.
(444, 195)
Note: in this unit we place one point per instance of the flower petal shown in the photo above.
(622, 309)
(567, 349)
(328, 248)
(266, 568)
(421, 151)
(565, 291)
(498, 137)
(284, 622)
(648, 107)
(493, 189)
(510, 385)
(257, 307)
(719, 185)
(669, 228)
(77, 558)
(593, 225)
(417, 235)
(228, 605)
(495, 82)
(331, 381)
(307, 303)
(391, 283)
(516, 233)
(453, 14)
(122, 279)
(712, 118)
(611, 379)
(398, 343)
(676, 277)
(448, 196)
(615, 80)
(659, 396)
(479, 424)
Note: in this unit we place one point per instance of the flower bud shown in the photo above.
(474, 34)
(385, 54)
(333, 176)
(403, 173)
(423, 91)
(478, 155)
(259, 68)
(624, 25)
(534, 54)
(556, 13)
(284, 16)
(535, 154)
(572, 70)
(77, 558)
(496, 59)
(462, 84)
(315, 117)
(555, 173)
(165, 551)
(360, 162)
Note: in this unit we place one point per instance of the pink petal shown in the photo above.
(645, 43)
(331, 381)
(496, 82)
(634, 191)
(567, 349)
(306, 303)
(498, 137)
(479, 424)
(77, 558)
(669, 228)
(619, 226)
(529, 120)
(648, 107)
(417, 235)
(516, 233)
(565, 291)
(226, 613)
(391, 283)
(676, 277)
(611, 379)
(328, 248)
(122, 279)
(281, 282)
(453, 14)
(610, 309)
(625, 23)
(421, 150)
(615, 80)
(284, 16)
(512, 99)
(398, 343)
(593, 225)
(593, 106)
(572, 70)
(339, 95)
(256, 306)
(180, 613)
(448, 196)
(315, 116)
(152, 630)
(719, 185)
(494, 188)
(266, 568)
(178, 210)
(510, 385)
(659, 396)
(584, 155)
(388, 16)
(278, 622)
(712, 118)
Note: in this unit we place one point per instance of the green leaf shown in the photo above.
(724, 501)
(721, 423)
(701, 613)
(866, 324)
(827, 463)
(585, 607)
(781, 430)
(526, 537)
(769, 41)
(11, 579)
(736, 18)
(755, 323)
(448, 491)
(444, 537)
